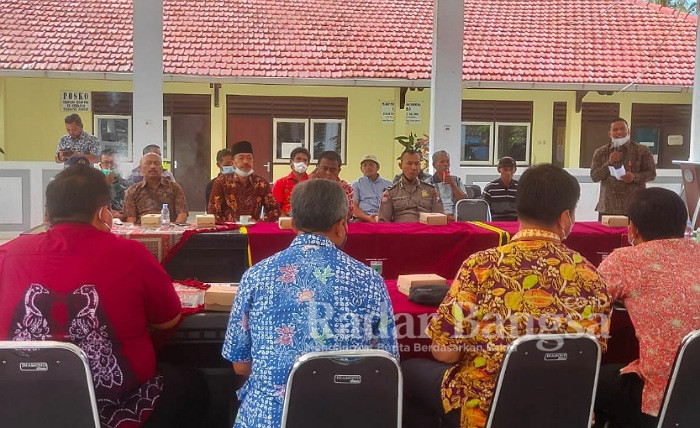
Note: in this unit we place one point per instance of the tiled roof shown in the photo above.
(541, 41)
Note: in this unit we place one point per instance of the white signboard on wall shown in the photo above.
(75, 101)
(413, 113)
(387, 112)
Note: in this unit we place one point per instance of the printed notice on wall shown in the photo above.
(387, 112)
(75, 101)
(413, 113)
(675, 140)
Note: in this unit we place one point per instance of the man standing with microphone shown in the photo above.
(616, 187)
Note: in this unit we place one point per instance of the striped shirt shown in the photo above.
(501, 199)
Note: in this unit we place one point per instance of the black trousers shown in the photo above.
(183, 402)
(422, 405)
(619, 399)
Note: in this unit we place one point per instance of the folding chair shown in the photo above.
(344, 389)
(46, 383)
(547, 380)
(473, 191)
(681, 405)
(473, 210)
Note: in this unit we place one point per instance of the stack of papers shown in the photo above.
(617, 172)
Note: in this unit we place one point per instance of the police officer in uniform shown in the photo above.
(404, 201)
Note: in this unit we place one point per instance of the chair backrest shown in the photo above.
(472, 210)
(344, 389)
(473, 191)
(547, 380)
(681, 406)
(46, 383)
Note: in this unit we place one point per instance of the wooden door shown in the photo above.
(191, 150)
(595, 125)
(257, 130)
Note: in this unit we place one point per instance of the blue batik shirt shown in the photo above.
(309, 297)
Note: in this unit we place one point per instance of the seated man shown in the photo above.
(500, 194)
(64, 285)
(224, 160)
(657, 280)
(282, 190)
(328, 167)
(524, 287)
(404, 201)
(117, 184)
(149, 195)
(309, 297)
(136, 172)
(368, 190)
(242, 192)
(449, 186)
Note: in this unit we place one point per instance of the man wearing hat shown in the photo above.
(500, 194)
(368, 190)
(242, 192)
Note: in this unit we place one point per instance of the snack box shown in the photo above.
(406, 282)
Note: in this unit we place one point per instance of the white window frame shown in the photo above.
(275, 121)
(130, 143)
(528, 141)
(491, 126)
(168, 137)
(343, 131)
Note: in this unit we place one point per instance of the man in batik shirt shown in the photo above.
(117, 184)
(242, 192)
(534, 278)
(309, 297)
(77, 143)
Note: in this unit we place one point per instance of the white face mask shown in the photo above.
(227, 169)
(299, 167)
(618, 142)
(565, 233)
(107, 225)
(243, 173)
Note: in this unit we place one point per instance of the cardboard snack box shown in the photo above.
(615, 220)
(406, 282)
(433, 219)
(220, 297)
(205, 220)
(285, 223)
(150, 220)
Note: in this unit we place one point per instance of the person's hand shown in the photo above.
(111, 177)
(450, 217)
(449, 180)
(374, 218)
(628, 177)
(614, 157)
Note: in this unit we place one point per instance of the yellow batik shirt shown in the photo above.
(530, 286)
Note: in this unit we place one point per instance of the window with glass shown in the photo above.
(327, 134)
(513, 139)
(477, 143)
(289, 134)
(484, 143)
(114, 131)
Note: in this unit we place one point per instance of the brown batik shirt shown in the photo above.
(233, 196)
(142, 199)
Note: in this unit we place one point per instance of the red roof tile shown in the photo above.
(565, 41)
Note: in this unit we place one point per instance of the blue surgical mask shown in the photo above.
(227, 169)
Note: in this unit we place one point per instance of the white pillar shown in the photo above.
(695, 120)
(148, 75)
(446, 79)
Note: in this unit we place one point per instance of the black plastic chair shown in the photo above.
(547, 380)
(344, 389)
(472, 210)
(46, 383)
(681, 405)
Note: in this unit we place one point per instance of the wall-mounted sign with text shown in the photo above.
(75, 101)
(387, 112)
(413, 113)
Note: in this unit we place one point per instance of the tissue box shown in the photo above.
(434, 219)
(615, 220)
(220, 297)
(205, 220)
(150, 220)
(406, 282)
(285, 223)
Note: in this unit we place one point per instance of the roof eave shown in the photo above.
(360, 82)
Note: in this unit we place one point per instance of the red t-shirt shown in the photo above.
(78, 284)
(282, 190)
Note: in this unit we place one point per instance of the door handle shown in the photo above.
(267, 166)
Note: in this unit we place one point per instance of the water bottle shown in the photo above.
(165, 216)
(689, 232)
